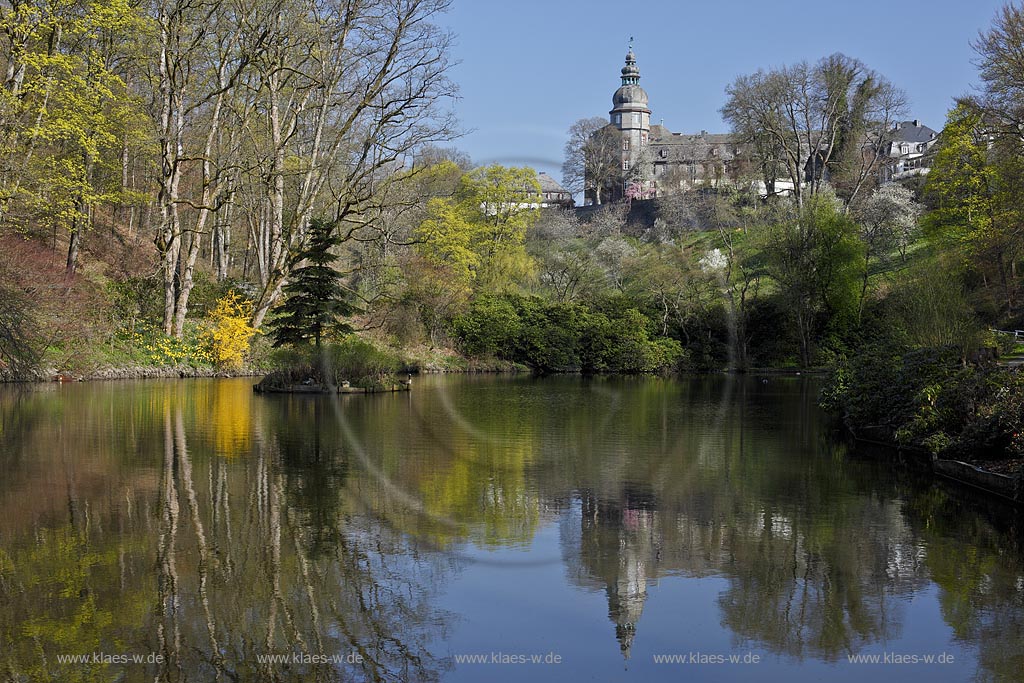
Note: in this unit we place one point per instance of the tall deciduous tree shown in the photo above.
(478, 235)
(343, 93)
(1001, 67)
(817, 121)
(593, 158)
(65, 111)
(974, 191)
(814, 259)
(200, 62)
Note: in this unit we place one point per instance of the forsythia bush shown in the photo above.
(231, 333)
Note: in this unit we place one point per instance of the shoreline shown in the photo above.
(472, 367)
(1009, 488)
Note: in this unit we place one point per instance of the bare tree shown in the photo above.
(200, 62)
(815, 120)
(1001, 66)
(343, 94)
(593, 158)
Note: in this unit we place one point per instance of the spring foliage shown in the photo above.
(231, 333)
(478, 234)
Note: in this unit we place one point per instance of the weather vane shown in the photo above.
(631, 43)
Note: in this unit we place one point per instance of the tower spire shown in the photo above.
(630, 72)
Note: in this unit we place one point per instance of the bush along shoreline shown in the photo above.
(351, 365)
(964, 419)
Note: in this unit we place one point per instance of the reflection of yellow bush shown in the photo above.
(231, 333)
(231, 419)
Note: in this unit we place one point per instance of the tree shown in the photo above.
(887, 221)
(65, 112)
(478, 235)
(997, 114)
(815, 121)
(200, 64)
(593, 158)
(974, 191)
(813, 256)
(343, 93)
(1001, 68)
(314, 301)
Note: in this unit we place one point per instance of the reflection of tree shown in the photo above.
(213, 564)
(455, 468)
(981, 591)
(124, 530)
(306, 434)
(807, 586)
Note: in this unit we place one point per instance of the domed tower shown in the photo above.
(632, 118)
(630, 113)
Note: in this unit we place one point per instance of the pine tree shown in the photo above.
(314, 301)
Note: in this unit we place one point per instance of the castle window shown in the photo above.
(625, 144)
(636, 118)
(618, 118)
(625, 164)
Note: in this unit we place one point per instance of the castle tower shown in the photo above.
(630, 113)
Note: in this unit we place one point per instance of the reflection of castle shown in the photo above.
(620, 550)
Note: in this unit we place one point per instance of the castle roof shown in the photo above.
(630, 96)
(679, 147)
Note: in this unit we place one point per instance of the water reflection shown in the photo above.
(201, 562)
(192, 521)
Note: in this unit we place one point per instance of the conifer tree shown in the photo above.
(315, 302)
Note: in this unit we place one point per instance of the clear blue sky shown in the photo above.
(530, 68)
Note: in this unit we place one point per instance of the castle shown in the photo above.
(655, 161)
(673, 160)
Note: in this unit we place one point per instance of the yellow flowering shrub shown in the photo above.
(231, 332)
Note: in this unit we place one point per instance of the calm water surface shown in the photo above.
(597, 526)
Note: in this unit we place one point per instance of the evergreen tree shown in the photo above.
(314, 301)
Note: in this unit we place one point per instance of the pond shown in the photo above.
(485, 528)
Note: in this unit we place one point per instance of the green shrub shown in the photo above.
(358, 361)
(929, 399)
(564, 336)
(352, 360)
(490, 327)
